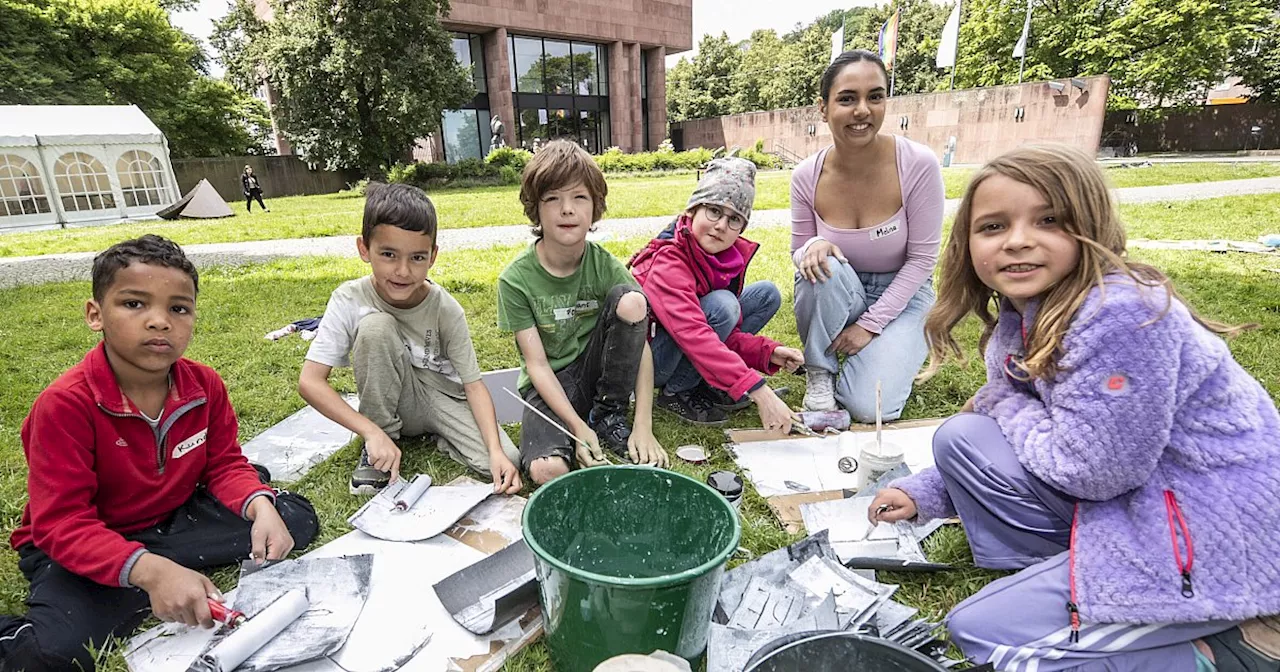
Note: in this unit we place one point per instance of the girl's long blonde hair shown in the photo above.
(1077, 192)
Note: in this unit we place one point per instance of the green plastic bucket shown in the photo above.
(629, 560)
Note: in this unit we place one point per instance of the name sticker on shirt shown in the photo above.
(190, 444)
(582, 308)
(885, 230)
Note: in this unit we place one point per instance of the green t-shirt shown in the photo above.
(563, 309)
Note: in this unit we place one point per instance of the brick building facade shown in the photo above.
(593, 71)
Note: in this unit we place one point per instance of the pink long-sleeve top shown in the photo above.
(906, 243)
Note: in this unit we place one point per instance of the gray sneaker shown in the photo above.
(366, 479)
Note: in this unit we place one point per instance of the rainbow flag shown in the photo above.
(889, 40)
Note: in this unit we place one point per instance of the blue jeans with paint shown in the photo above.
(824, 309)
(673, 371)
(1014, 520)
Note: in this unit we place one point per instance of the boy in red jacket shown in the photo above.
(707, 356)
(135, 476)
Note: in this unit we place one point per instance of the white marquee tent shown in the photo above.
(68, 165)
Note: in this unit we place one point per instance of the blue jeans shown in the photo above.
(894, 357)
(759, 301)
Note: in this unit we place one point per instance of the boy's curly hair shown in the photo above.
(148, 249)
(558, 165)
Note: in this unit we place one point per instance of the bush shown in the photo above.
(509, 175)
(513, 157)
(425, 175)
(759, 158)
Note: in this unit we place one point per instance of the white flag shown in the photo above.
(950, 39)
(837, 43)
(1020, 49)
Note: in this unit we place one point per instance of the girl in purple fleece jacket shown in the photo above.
(1117, 455)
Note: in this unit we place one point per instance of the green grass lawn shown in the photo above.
(44, 334)
(630, 196)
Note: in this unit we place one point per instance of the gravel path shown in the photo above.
(76, 266)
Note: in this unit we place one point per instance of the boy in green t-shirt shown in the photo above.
(580, 324)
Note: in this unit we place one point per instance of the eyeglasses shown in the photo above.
(715, 213)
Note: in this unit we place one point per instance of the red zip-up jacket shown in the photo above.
(97, 471)
(674, 279)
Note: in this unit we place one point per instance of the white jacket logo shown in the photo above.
(190, 444)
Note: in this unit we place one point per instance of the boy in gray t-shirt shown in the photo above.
(407, 341)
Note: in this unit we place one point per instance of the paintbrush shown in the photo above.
(555, 424)
(871, 528)
(879, 445)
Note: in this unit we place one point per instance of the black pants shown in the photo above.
(599, 381)
(248, 199)
(68, 612)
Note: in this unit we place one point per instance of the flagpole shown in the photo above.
(1026, 39)
(897, 28)
(955, 58)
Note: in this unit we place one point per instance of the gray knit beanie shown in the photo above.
(729, 182)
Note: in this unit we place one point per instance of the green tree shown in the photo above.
(119, 52)
(757, 74)
(1157, 52)
(1259, 63)
(680, 91)
(358, 82)
(714, 69)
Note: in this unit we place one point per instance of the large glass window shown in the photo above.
(527, 52)
(469, 52)
(461, 133)
(533, 128)
(561, 90)
(585, 76)
(83, 182)
(561, 124)
(588, 131)
(603, 59)
(558, 65)
(21, 190)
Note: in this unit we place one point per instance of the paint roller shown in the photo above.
(410, 493)
(252, 634)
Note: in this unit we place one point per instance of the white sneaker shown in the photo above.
(819, 393)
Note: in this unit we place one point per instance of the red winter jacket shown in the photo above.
(97, 471)
(674, 278)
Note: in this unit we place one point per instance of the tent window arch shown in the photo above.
(83, 182)
(141, 179)
(21, 189)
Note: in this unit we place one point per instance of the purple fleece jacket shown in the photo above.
(1145, 403)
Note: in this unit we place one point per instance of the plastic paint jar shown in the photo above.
(729, 485)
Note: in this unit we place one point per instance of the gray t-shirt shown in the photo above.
(434, 332)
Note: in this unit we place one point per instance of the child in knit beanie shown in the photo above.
(707, 355)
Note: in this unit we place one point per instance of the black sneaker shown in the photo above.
(721, 399)
(367, 479)
(612, 430)
(694, 407)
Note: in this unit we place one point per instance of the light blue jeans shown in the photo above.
(757, 305)
(894, 357)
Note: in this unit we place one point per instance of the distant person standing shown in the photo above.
(252, 190)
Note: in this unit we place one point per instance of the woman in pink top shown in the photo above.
(866, 220)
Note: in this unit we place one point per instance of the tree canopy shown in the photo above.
(119, 52)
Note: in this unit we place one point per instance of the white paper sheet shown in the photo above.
(845, 520)
(436, 511)
(403, 615)
(811, 462)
